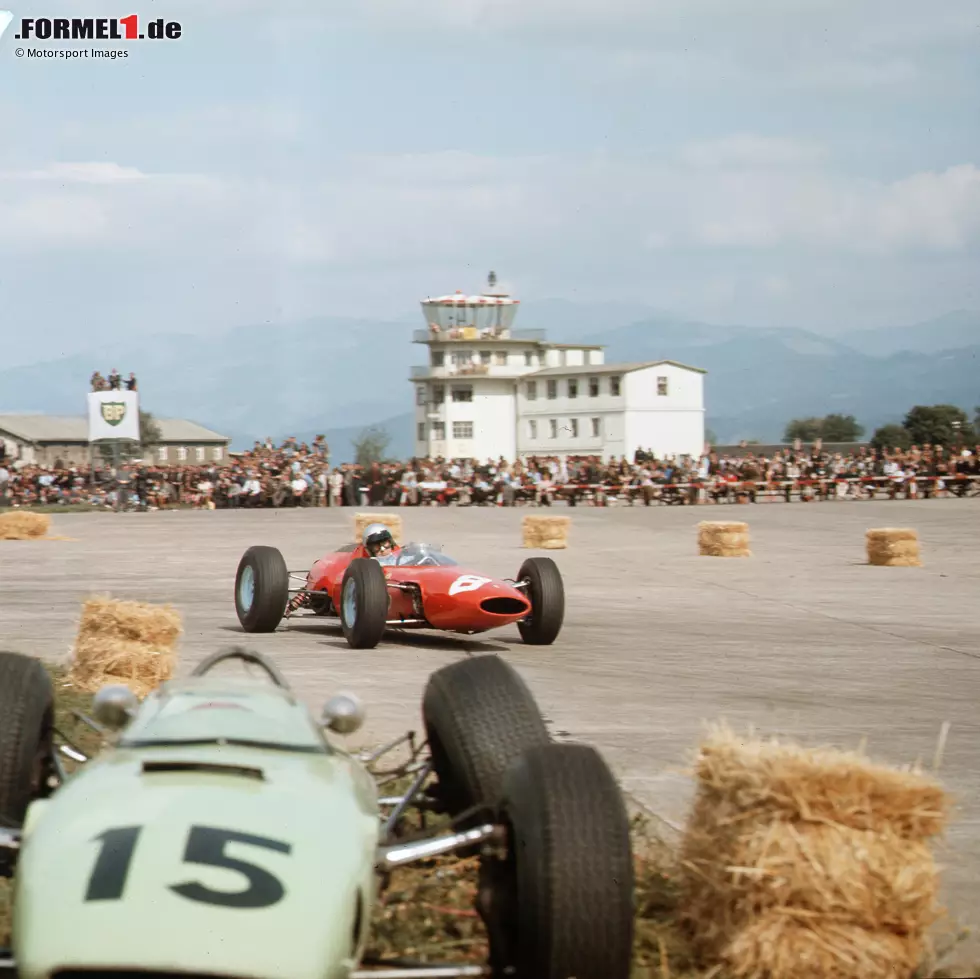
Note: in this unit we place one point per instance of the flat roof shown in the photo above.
(611, 368)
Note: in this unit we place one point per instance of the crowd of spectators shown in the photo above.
(296, 474)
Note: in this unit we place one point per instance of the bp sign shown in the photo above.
(113, 412)
(113, 415)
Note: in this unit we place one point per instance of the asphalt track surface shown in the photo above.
(801, 640)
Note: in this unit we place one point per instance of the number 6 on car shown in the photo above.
(467, 582)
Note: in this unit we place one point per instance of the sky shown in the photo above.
(813, 163)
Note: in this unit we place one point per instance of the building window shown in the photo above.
(462, 430)
(181, 454)
(462, 394)
(438, 358)
(217, 453)
(596, 427)
(574, 424)
(553, 428)
(500, 358)
(532, 390)
(199, 452)
(661, 385)
(421, 435)
(573, 389)
(614, 386)
(552, 390)
(438, 394)
(593, 387)
(532, 429)
(485, 356)
(528, 362)
(438, 431)
(420, 394)
(162, 453)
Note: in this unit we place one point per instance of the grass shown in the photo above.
(427, 912)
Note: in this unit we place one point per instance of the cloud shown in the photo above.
(751, 151)
(737, 193)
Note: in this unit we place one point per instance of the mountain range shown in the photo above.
(338, 375)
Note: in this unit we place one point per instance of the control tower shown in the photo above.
(489, 315)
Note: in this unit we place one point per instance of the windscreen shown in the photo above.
(418, 555)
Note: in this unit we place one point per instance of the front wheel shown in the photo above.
(363, 603)
(261, 589)
(546, 592)
(561, 903)
(26, 735)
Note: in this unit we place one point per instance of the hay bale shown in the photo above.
(546, 533)
(722, 538)
(893, 547)
(810, 864)
(392, 521)
(24, 525)
(132, 643)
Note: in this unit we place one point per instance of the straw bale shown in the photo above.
(133, 643)
(547, 533)
(893, 547)
(722, 538)
(392, 521)
(778, 944)
(812, 860)
(24, 525)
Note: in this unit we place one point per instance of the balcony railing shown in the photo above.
(454, 370)
(472, 334)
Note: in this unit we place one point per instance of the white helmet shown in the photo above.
(376, 536)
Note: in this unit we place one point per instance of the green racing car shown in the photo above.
(225, 832)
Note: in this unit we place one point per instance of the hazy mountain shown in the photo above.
(337, 376)
(949, 332)
(758, 379)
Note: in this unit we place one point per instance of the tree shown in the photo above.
(891, 437)
(370, 446)
(944, 425)
(831, 428)
(150, 434)
(804, 429)
(840, 428)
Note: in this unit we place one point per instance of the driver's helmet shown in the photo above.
(378, 540)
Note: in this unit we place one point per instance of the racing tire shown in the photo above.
(26, 735)
(480, 716)
(364, 603)
(546, 592)
(562, 902)
(261, 589)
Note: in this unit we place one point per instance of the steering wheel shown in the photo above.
(246, 656)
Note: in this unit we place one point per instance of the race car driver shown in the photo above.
(378, 541)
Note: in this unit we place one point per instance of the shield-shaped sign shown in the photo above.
(113, 412)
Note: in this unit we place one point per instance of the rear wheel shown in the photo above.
(26, 734)
(363, 603)
(546, 592)
(561, 903)
(261, 589)
(479, 717)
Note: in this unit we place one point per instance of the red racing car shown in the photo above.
(414, 587)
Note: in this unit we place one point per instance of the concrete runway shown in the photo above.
(802, 640)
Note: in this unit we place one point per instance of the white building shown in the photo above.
(489, 390)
